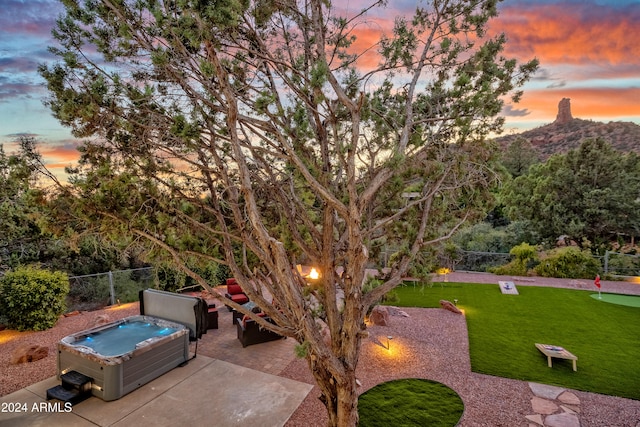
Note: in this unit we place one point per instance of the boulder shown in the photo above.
(448, 305)
(395, 311)
(28, 353)
(379, 316)
(71, 313)
(102, 319)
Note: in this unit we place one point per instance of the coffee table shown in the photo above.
(558, 352)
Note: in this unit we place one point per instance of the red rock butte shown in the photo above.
(564, 112)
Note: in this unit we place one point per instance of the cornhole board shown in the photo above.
(552, 351)
(508, 288)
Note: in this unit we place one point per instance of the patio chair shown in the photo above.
(235, 293)
(250, 332)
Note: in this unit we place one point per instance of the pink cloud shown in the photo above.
(33, 17)
(572, 33)
(60, 153)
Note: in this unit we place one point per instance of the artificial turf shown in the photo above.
(629, 300)
(410, 402)
(504, 328)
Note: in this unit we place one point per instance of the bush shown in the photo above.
(568, 263)
(170, 278)
(33, 299)
(223, 272)
(514, 268)
(624, 264)
(88, 293)
(524, 254)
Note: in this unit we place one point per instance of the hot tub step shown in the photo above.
(74, 380)
(62, 394)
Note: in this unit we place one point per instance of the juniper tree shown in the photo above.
(260, 134)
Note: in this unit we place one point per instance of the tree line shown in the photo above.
(588, 196)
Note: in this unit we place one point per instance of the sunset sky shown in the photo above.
(588, 51)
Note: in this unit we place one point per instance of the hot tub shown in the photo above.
(126, 354)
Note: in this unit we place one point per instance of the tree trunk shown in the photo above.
(339, 395)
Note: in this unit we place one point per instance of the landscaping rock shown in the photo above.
(569, 398)
(537, 418)
(379, 316)
(543, 406)
(570, 409)
(546, 391)
(395, 311)
(103, 319)
(562, 420)
(71, 313)
(448, 305)
(28, 353)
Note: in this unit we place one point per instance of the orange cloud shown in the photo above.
(59, 154)
(367, 36)
(601, 104)
(572, 33)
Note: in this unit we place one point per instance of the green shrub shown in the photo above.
(624, 264)
(223, 272)
(33, 299)
(568, 263)
(513, 268)
(88, 293)
(170, 278)
(523, 255)
(482, 237)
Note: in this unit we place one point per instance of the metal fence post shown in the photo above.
(112, 290)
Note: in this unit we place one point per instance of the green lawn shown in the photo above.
(401, 403)
(504, 328)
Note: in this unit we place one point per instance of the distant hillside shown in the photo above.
(567, 133)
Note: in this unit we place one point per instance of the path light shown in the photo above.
(455, 301)
(389, 338)
(314, 275)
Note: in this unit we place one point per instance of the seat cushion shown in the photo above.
(234, 289)
(239, 298)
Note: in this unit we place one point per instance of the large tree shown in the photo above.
(519, 156)
(590, 194)
(259, 134)
(22, 207)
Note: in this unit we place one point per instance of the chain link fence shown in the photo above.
(96, 291)
(480, 261)
(619, 264)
